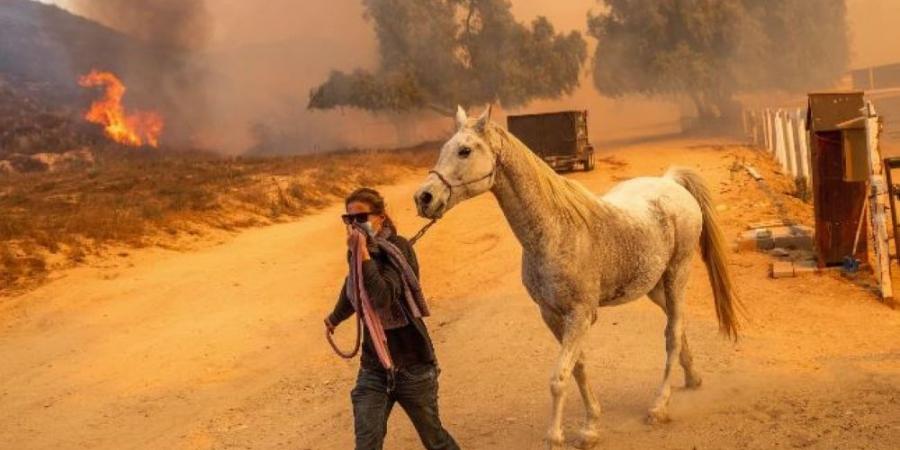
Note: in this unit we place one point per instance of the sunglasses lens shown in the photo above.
(358, 218)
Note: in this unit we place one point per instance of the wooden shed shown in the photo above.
(839, 170)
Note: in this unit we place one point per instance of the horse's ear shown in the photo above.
(482, 122)
(461, 118)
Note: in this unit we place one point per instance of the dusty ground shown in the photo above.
(223, 347)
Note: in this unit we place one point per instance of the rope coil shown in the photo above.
(329, 334)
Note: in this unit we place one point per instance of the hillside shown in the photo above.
(47, 45)
(43, 51)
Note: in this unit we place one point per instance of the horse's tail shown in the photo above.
(714, 249)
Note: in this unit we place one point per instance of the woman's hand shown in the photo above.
(356, 240)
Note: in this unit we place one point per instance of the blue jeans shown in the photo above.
(416, 389)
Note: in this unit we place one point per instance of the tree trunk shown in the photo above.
(717, 111)
(705, 111)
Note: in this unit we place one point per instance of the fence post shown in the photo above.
(878, 204)
(774, 135)
(791, 147)
(767, 127)
(780, 147)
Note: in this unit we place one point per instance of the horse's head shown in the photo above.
(465, 168)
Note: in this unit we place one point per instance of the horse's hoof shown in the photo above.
(694, 382)
(657, 417)
(587, 439)
(555, 442)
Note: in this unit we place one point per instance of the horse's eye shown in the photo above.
(464, 152)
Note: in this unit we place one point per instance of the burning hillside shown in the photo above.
(135, 129)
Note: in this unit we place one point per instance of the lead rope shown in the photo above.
(329, 334)
(343, 354)
(422, 231)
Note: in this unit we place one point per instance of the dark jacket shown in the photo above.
(409, 345)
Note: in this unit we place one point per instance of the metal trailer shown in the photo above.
(559, 138)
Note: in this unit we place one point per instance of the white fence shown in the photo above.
(782, 132)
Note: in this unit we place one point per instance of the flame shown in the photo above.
(135, 129)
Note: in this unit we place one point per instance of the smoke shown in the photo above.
(611, 121)
(267, 56)
(233, 75)
(270, 54)
(709, 53)
(236, 75)
(173, 24)
(873, 30)
(168, 73)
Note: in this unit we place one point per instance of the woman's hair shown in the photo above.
(374, 199)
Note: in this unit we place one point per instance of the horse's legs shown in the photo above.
(589, 432)
(573, 329)
(673, 284)
(692, 378)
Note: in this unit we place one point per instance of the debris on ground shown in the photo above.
(784, 237)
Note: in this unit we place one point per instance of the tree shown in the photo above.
(711, 50)
(439, 53)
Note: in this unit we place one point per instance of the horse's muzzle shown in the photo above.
(429, 201)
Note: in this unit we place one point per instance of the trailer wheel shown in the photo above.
(589, 162)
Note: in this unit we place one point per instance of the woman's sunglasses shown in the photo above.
(362, 217)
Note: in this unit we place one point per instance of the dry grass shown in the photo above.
(140, 198)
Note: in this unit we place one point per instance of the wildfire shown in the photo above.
(135, 129)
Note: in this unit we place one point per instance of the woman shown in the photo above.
(404, 370)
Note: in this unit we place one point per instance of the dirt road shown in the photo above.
(223, 347)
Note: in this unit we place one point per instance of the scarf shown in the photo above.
(393, 315)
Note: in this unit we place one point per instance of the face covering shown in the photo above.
(368, 227)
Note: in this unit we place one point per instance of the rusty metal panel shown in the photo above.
(838, 203)
(829, 109)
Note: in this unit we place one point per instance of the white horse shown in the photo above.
(581, 252)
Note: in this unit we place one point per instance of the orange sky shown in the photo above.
(874, 31)
(873, 23)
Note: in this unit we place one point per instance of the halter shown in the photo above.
(450, 186)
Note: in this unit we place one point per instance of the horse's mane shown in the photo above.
(572, 198)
